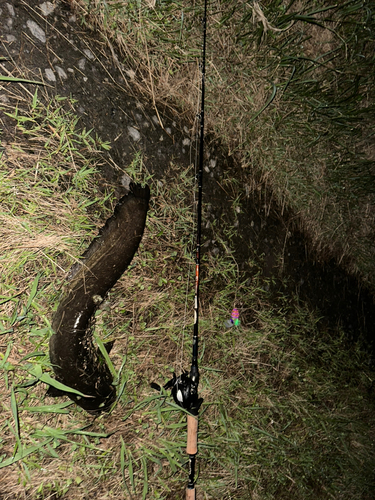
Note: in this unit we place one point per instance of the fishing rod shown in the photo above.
(185, 387)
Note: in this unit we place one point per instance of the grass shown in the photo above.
(290, 94)
(288, 404)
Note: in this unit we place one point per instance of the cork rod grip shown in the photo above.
(190, 494)
(192, 435)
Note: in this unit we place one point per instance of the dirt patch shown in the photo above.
(45, 42)
(54, 49)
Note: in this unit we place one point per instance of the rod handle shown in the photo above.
(192, 435)
(190, 493)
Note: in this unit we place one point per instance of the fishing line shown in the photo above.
(180, 351)
(194, 163)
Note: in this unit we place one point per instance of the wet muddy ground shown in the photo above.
(44, 41)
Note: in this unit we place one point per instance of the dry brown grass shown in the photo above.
(276, 148)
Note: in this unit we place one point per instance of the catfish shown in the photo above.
(77, 363)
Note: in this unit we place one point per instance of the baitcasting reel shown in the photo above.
(184, 390)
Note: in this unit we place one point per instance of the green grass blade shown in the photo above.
(57, 408)
(145, 478)
(33, 292)
(131, 470)
(14, 408)
(105, 355)
(37, 372)
(273, 95)
(5, 356)
(21, 454)
(19, 80)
